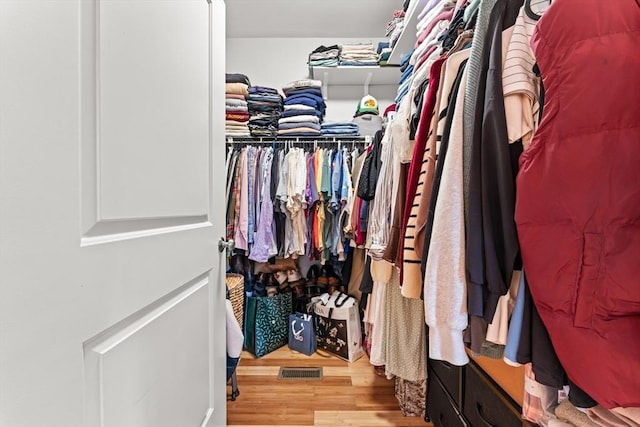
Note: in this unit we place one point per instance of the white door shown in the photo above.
(111, 207)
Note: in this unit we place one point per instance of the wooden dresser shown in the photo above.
(485, 393)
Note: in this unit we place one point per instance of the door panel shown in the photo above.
(111, 285)
(137, 366)
(153, 109)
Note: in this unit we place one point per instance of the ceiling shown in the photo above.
(309, 18)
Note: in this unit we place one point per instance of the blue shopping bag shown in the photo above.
(302, 334)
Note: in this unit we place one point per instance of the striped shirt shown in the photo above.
(412, 283)
(520, 84)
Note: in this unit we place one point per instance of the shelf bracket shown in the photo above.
(325, 84)
(367, 82)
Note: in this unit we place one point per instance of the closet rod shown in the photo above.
(308, 140)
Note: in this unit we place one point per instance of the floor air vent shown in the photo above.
(300, 374)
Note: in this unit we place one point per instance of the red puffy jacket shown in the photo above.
(578, 194)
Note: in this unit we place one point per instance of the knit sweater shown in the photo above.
(474, 76)
(445, 286)
(412, 284)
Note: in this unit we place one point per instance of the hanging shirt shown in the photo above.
(319, 160)
(379, 223)
(346, 178)
(257, 190)
(519, 82)
(265, 246)
(242, 230)
(233, 180)
(326, 174)
(296, 187)
(250, 202)
(311, 181)
(336, 180)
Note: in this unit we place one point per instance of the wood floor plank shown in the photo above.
(349, 394)
(365, 418)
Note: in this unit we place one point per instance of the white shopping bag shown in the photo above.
(337, 324)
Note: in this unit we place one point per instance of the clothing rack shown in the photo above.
(294, 141)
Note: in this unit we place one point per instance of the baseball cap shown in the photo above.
(368, 104)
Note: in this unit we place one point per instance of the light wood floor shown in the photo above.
(348, 395)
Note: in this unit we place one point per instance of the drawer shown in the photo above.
(485, 405)
(440, 407)
(451, 377)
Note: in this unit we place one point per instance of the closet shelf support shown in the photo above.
(367, 82)
(325, 84)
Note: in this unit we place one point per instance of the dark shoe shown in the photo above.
(297, 288)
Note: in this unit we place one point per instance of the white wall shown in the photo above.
(275, 62)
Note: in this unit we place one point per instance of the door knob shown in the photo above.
(228, 245)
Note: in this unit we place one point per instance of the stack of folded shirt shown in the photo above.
(359, 54)
(265, 106)
(405, 78)
(325, 56)
(339, 128)
(395, 26)
(237, 111)
(384, 51)
(304, 109)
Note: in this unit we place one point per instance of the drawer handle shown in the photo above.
(482, 417)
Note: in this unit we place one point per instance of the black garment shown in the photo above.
(278, 216)
(535, 347)
(264, 122)
(275, 168)
(455, 28)
(418, 99)
(347, 266)
(474, 239)
(492, 243)
(475, 334)
(440, 159)
(237, 78)
(579, 398)
(498, 178)
(371, 169)
(323, 48)
(366, 286)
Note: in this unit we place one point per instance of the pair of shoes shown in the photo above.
(311, 289)
(329, 281)
(297, 288)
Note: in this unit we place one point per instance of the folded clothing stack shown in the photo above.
(304, 109)
(384, 51)
(325, 56)
(361, 54)
(265, 106)
(237, 111)
(395, 26)
(339, 128)
(405, 78)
